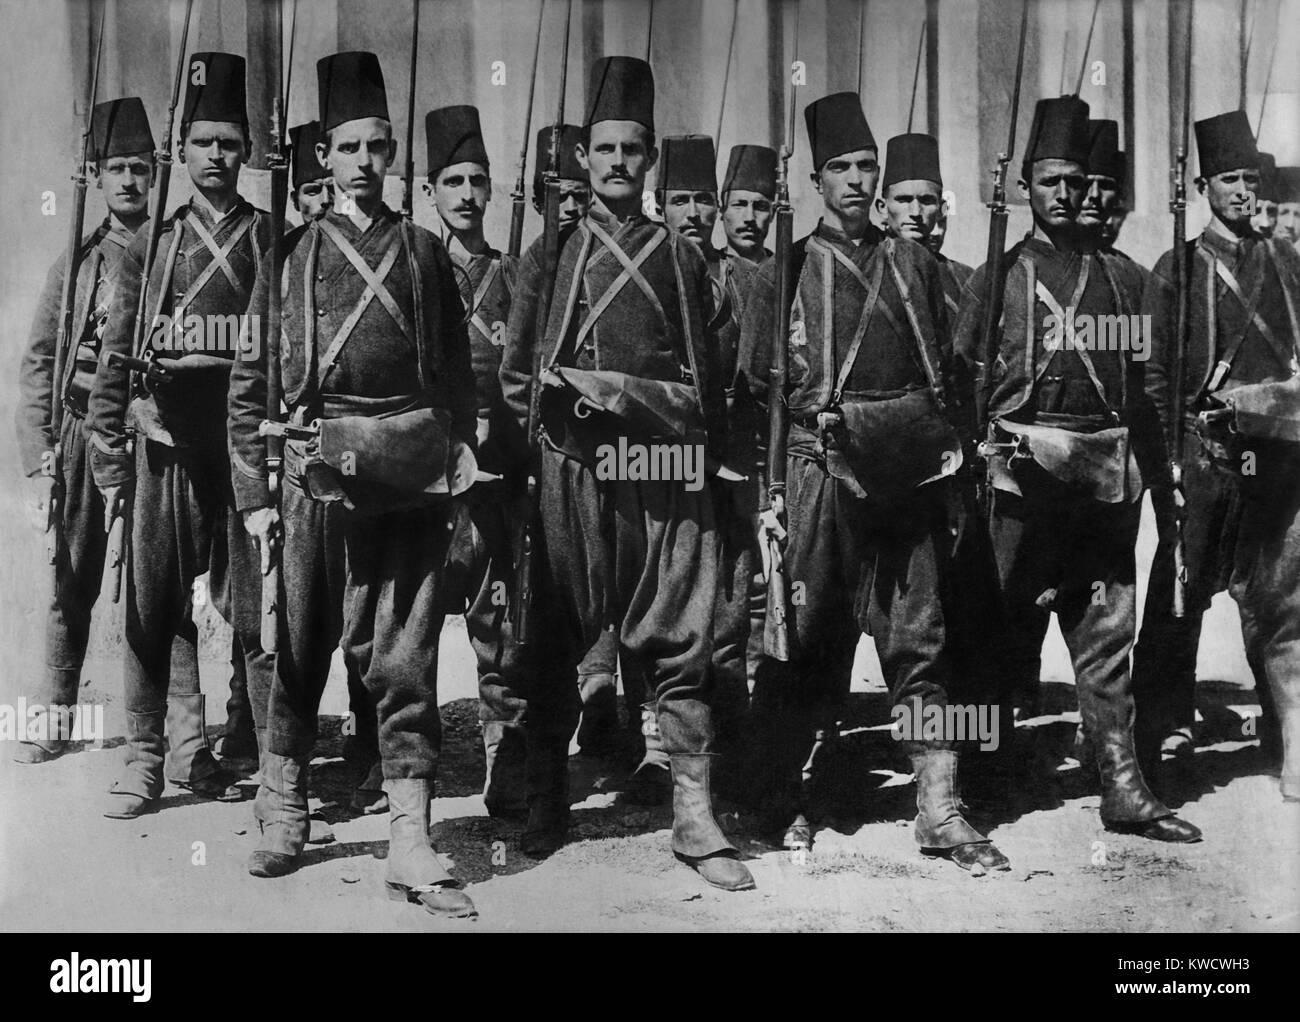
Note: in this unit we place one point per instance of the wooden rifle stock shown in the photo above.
(530, 521)
(994, 279)
(67, 312)
(1182, 324)
(277, 162)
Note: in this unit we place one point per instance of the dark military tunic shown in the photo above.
(1053, 549)
(638, 554)
(1226, 522)
(182, 520)
(389, 594)
(861, 564)
(81, 558)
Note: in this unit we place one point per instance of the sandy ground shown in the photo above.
(64, 867)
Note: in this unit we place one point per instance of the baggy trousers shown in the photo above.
(183, 524)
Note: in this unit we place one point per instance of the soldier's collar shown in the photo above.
(384, 215)
(208, 212)
(600, 213)
(826, 232)
(1221, 240)
(1036, 246)
(117, 232)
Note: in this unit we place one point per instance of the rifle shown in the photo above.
(408, 175)
(277, 162)
(993, 274)
(143, 326)
(67, 312)
(776, 632)
(521, 612)
(517, 196)
(1182, 324)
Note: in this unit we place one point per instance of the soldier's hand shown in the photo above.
(770, 529)
(114, 504)
(38, 491)
(263, 524)
(161, 374)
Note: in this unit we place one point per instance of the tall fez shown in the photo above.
(1267, 177)
(119, 127)
(453, 135)
(1104, 156)
(1225, 142)
(350, 86)
(568, 167)
(836, 125)
(621, 89)
(751, 168)
(306, 167)
(913, 157)
(1288, 184)
(1059, 132)
(214, 89)
(688, 163)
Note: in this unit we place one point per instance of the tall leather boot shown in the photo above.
(1128, 806)
(414, 873)
(281, 808)
(1280, 729)
(651, 782)
(941, 830)
(505, 788)
(698, 841)
(140, 784)
(547, 779)
(319, 830)
(190, 763)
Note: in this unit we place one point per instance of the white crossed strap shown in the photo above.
(1038, 290)
(476, 300)
(1251, 308)
(220, 258)
(631, 272)
(375, 289)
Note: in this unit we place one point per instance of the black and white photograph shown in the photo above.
(651, 466)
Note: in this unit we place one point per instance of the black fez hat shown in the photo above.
(836, 125)
(751, 168)
(119, 127)
(1267, 178)
(1104, 156)
(1059, 132)
(214, 89)
(351, 87)
(306, 167)
(453, 135)
(622, 89)
(913, 157)
(568, 167)
(1225, 142)
(688, 163)
(1288, 184)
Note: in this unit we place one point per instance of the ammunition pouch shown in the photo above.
(592, 408)
(1235, 421)
(885, 447)
(382, 463)
(1096, 464)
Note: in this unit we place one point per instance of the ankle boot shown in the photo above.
(190, 763)
(698, 841)
(281, 808)
(651, 782)
(140, 784)
(941, 830)
(1128, 805)
(414, 873)
(547, 776)
(47, 736)
(505, 789)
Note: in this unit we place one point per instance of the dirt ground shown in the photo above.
(64, 867)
